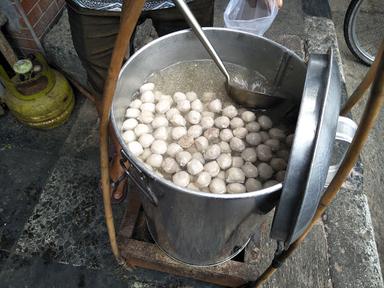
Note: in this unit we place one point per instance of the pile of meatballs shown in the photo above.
(200, 143)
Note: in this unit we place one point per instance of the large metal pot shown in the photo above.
(202, 228)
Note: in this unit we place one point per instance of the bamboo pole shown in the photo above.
(363, 86)
(7, 50)
(130, 14)
(371, 113)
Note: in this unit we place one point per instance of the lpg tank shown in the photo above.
(38, 95)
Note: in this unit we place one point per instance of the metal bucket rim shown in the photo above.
(155, 176)
(189, 31)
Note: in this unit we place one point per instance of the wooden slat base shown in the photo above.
(138, 249)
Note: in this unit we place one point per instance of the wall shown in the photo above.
(41, 15)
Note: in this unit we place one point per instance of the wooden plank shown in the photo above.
(142, 253)
(149, 256)
(253, 249)
(130, 216)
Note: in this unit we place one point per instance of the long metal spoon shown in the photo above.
(245, 97)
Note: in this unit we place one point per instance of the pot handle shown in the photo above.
(345, 132)
(138, 182)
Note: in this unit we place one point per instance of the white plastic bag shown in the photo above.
(254, 16)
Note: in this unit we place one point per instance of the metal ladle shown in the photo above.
(245, 97)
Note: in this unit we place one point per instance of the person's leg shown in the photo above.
(93, 34)
(170, 20)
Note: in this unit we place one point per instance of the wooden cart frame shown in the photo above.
(232, 273)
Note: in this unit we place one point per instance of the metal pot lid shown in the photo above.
(311, 150)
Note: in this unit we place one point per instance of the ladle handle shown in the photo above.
(200, 34)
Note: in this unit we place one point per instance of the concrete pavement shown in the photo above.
(373, 153)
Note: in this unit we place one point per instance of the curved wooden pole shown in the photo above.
(368, 120)
(130, 14)
(363, 86)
